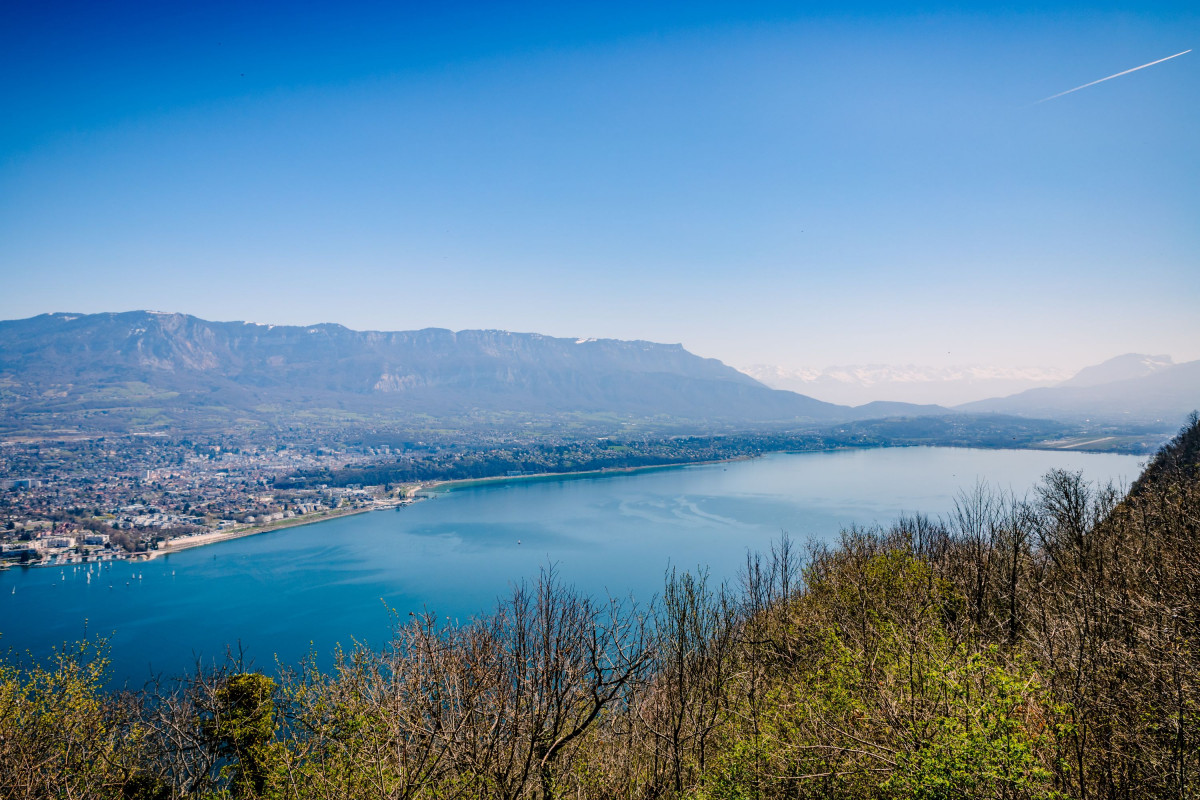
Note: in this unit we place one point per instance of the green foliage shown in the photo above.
(242, 724)
(61, 735)
(994, 742)
(867, 693)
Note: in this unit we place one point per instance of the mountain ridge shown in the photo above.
(90, 362)
(1128, 366)
(1142, 389)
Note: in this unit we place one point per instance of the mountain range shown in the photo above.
(89, 366)
(1132, 388)
(153, 370)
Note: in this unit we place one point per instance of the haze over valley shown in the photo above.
(910, 383)
(1132, 386)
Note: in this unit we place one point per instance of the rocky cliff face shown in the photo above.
(71, 358)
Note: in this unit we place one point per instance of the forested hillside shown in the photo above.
(1035, 647)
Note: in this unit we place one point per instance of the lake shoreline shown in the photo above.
(202, 539)
(415, 495)
(420, 491)
(430, 489)
(439, 487)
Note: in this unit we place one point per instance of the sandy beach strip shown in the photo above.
(199, 540)
(413, 494)
(464, 483)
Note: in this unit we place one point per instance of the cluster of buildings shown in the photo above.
(112, 497)
(61, 543)
(85, 497)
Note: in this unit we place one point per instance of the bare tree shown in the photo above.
(694, 647)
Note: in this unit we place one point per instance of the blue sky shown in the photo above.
(792, 184)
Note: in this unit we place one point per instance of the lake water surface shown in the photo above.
(283, 593)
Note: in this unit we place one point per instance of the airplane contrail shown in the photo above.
(1110, 77)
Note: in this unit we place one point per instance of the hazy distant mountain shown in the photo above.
(857, 384)
(1121, 368)
(882, 409)
(89, 364)
(1128, 388)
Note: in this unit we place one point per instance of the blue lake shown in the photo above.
(281, 594)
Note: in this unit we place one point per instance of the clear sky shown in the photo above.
(792, 184)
